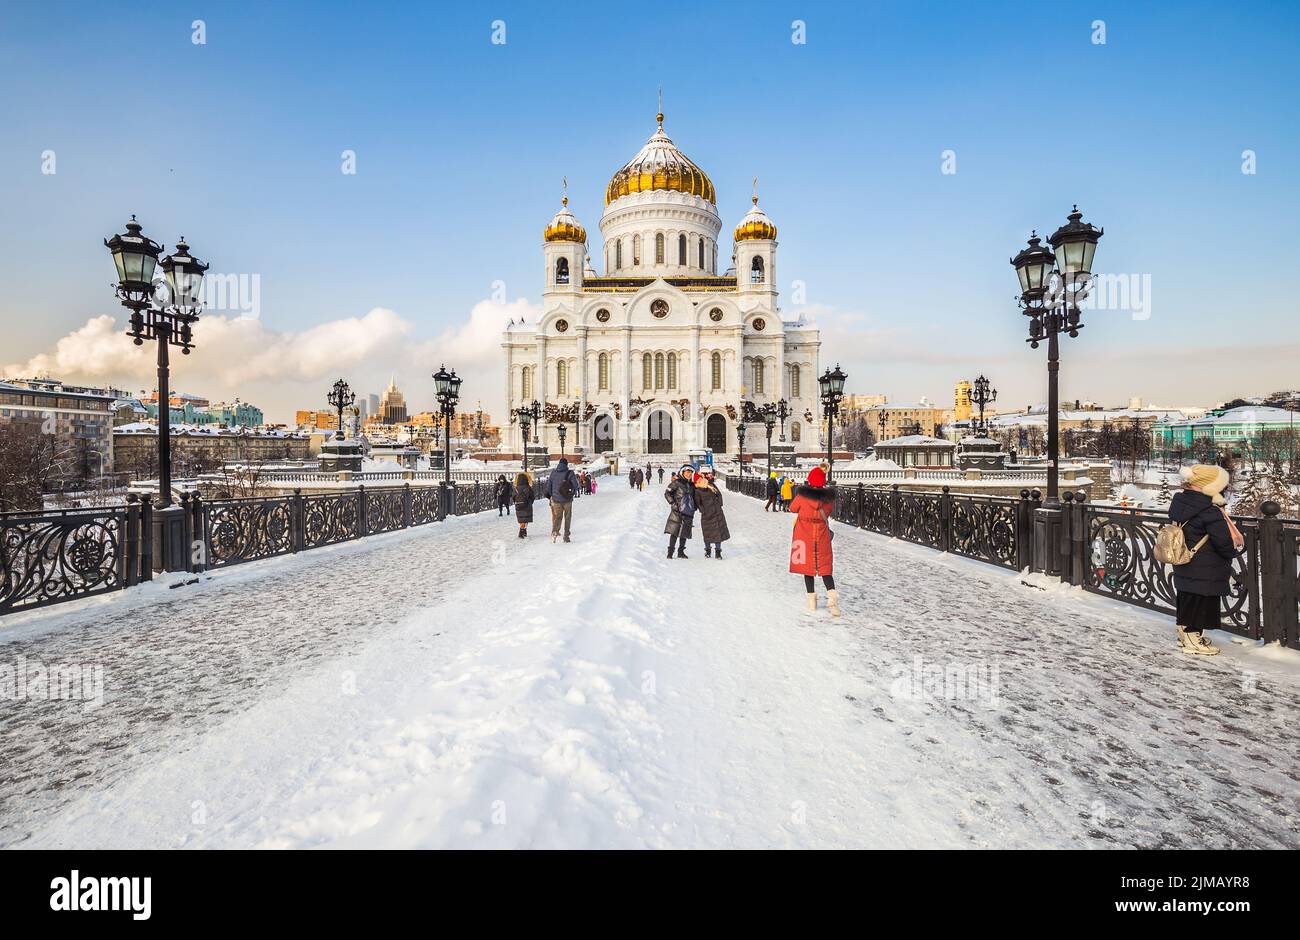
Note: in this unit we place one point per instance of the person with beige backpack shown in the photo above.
(1199, 518)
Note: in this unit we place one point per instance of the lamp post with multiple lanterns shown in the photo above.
(165, 313)
(832, 391)
(341, 396)
(447, 385)
(768, 412)
(1053, 285)
(983, 393)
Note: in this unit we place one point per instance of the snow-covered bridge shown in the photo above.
(451, 685)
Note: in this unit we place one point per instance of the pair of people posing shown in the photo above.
(690, 492)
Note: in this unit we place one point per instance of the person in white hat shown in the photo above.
(1215, 541)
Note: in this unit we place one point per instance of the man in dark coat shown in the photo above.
(680, 495)
(1210, 532)
(773, 491)
(561, 488)
(713, 522)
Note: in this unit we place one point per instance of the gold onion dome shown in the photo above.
(564, 226)
(659, 165)
(756, 223)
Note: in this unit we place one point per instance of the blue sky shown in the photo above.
(461, 146)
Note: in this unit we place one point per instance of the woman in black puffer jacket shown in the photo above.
(523, 498)
(1215, 541)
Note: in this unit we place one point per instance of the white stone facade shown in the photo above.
(659, 352)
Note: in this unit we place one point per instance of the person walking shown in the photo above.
(810, 545)
(561, 488)
(713, 522)
(523, 498)
(787, 490)
(503, 494)
(680, 495)
(1214, 540)
(773, 492)
(631, 477)
(661, 473)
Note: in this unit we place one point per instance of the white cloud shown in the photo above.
(283, 371)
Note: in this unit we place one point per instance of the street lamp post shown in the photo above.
(341, 397)
(525, 417)
(168, 320)
(983, 393)
(769, 423)
(782, 412)
(1053, 285)
(562, 429)
(740, 444)
(832, 391)
(448, 390)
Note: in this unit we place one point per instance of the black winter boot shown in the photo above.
(708, 551)
(681, 551)
(718, 553)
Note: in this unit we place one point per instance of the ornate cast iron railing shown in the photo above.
(50, 557)
(1105, 550)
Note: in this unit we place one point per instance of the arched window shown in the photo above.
(701, 253)
(672, 370)
(794, 381)
(646, 364)
(562, 378)
(659, 370)
(659, 248)
(602, 371)
(758, 376)
(681, 250)
(618, 255)
(636, 250)
(716, 365)
(756, 271)
(561, 270)
(526, 384)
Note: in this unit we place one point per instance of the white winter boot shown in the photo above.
(812, 603)
(1195, 643)
(833, 602)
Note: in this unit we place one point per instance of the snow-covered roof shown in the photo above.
(914, 440)
(1248, 414)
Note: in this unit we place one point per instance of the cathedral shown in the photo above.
(657, 354)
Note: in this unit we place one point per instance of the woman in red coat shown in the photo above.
(810, 547)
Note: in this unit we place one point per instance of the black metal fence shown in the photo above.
(1105, 550)
(51, 557)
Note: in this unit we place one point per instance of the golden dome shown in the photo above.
(564, 225)
(660, 165)
(756, 223)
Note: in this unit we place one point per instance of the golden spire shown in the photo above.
(754, 199)
(660, 116)
(564, 201)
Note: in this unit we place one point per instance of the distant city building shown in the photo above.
(961, 406)
(306, 420)
(1234, 429)
(392, 407)
(197, 410)
(904, 419)
(202, 448)
(372, 406)
(76, 415)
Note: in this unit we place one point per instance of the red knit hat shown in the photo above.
(817, 477)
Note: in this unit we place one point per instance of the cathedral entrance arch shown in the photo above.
(602, 434)
(715, 434)
(659, 433)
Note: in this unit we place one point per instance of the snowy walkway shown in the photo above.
(452, 686)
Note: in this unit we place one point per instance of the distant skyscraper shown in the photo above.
(392, 409)
(373, 410)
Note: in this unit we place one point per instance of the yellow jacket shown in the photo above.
(787, 489)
